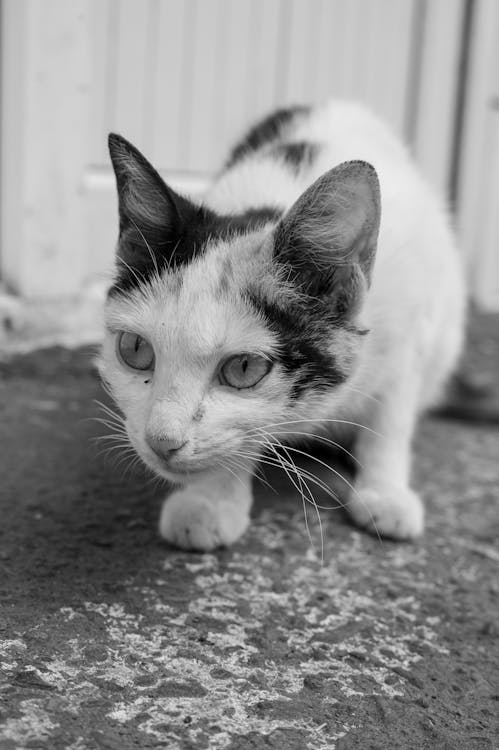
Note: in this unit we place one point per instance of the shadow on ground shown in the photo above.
(110, 639)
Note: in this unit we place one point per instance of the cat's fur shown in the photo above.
(280, 260)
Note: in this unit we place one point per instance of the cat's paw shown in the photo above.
(388, 510)
(192, 522)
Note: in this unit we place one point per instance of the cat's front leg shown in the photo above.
(381, 500)
(208, 513)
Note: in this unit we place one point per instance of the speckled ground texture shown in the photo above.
(111, 639)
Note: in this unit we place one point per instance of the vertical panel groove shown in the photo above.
(151, 72)
(467, 30)
(185, 108)
(111, 77)
(413, 91)
(282, 47)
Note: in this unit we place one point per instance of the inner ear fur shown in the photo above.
(328, 237)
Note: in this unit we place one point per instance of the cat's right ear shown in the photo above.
(327, 239)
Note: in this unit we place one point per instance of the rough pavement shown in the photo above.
(111, 639)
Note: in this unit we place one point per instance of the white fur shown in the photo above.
(414, 310)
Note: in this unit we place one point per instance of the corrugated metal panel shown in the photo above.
(182, 78)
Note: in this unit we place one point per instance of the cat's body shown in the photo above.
(290, 280)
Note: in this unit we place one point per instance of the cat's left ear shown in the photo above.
(153, 217)
(144, 198)
(327, 240)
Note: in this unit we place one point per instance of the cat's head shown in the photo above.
(220, 329)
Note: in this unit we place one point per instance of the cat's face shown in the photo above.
(216, 332)
(193, 366)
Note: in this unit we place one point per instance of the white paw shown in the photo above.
(192, 522)
(388, 510)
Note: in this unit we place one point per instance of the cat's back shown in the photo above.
(347, 131)
(288, 150)
(285, 152)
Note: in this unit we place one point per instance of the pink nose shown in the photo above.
(163, 446)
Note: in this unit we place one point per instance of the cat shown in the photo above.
(317, 284)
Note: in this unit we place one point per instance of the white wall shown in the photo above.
(478, 189)
(44, 130)
(182, 78)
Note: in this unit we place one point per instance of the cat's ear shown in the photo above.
(328, 238)
(152, 214)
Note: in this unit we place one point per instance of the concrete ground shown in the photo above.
(111, 639)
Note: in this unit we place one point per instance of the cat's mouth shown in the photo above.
(177, 472)
(178, 468)
(184, 472)
(184, 476)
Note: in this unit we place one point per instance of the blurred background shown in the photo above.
(183, 78)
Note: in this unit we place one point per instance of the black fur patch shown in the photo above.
(265, 132)
(303, 334)
(142, 252)
(296, 155)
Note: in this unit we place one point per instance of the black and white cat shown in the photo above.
(317, 283)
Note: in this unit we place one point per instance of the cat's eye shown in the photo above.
(244, 370)
(135, 351)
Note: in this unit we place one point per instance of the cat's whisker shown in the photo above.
(226, 467)
(121, 439)
(303, 499)
(139, 279)
(254, 471)
(262, 458)
(309, 456)
(109, 423)
(258, 473)
(301, 482)
(120, 426)
(238, 466)
(157, 482)
(107, 409)
(122, 449)
(153, 257)
(317, 420)
(99, 420)
(258, 468)
(151, 478)
(124, 468)
(117, 429)
(322, 485)
(112, 438)
(277, 463)
(299, 487)
(369, 396)
(130, 467)
(118, 442)
(106, 386)
(117, 461)
(342, 478)
(112, 424)
(109, 414)
(321, 438)
(316, 460)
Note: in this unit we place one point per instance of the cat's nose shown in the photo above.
(164, 446)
